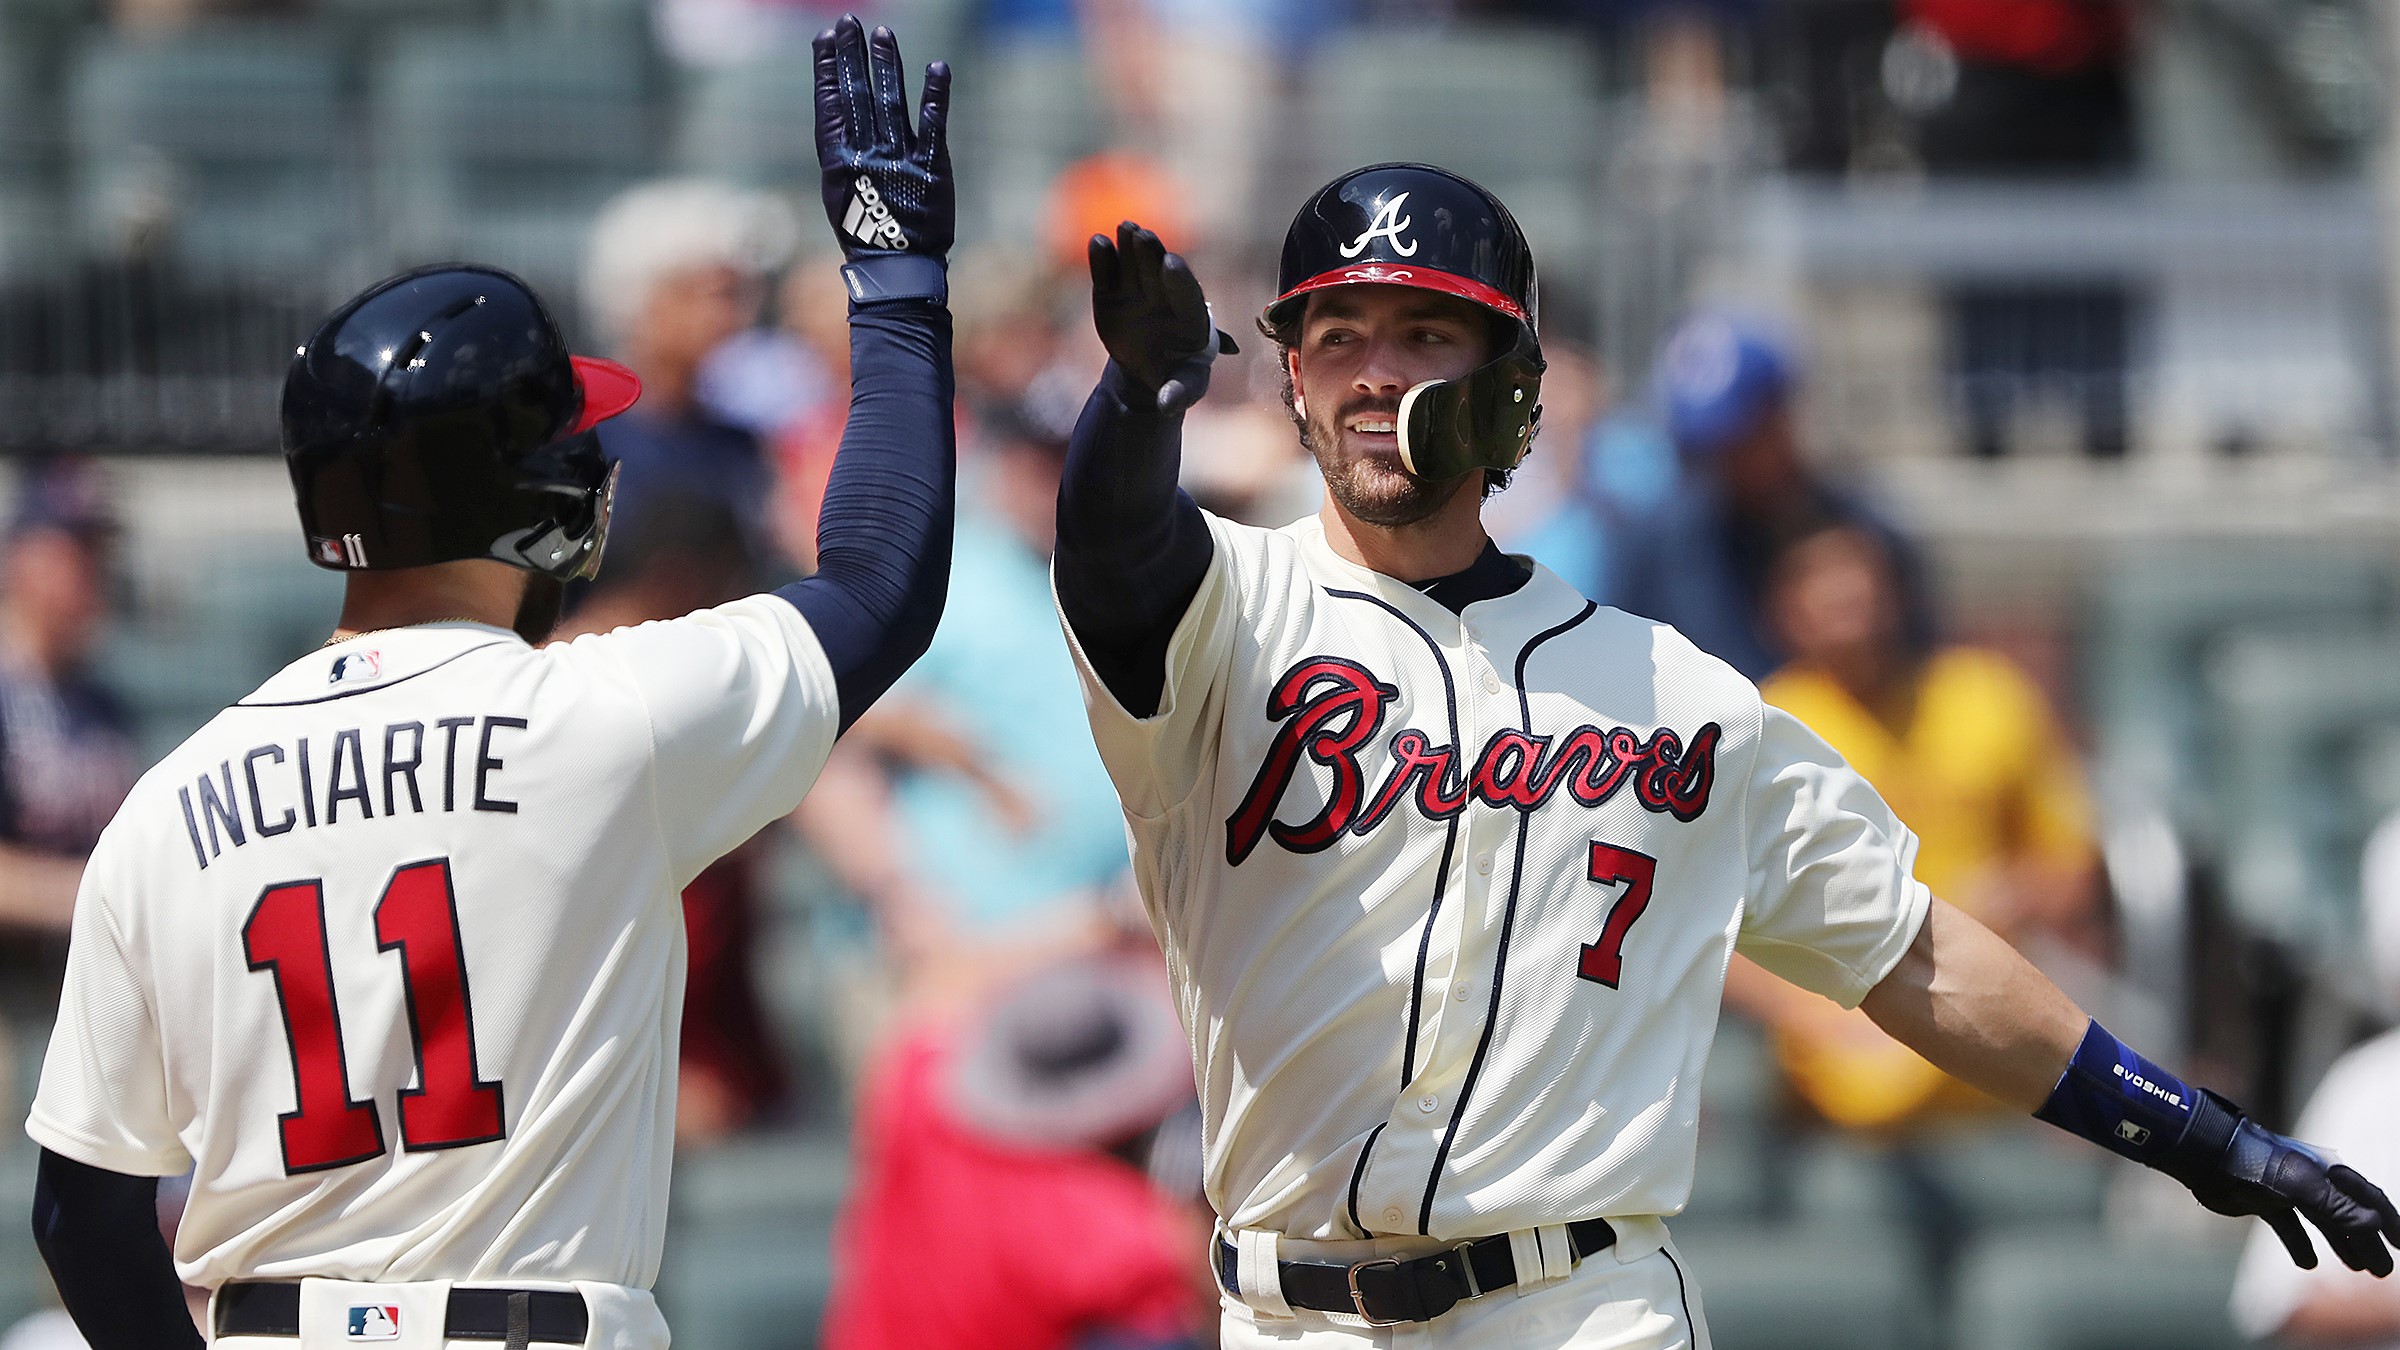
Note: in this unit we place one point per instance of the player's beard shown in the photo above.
(539, 607)
(1370, 488)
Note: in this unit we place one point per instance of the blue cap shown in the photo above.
(1716, 376)
(67, 494)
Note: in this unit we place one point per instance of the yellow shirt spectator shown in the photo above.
(1978, 770)
(1966, 750)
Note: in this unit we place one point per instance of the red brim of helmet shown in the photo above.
(1423, 278)
(608, 389)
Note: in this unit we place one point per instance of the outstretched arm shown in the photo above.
(883, 538)
(1964, 999)
(1132, 547)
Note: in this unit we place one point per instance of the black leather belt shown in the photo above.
(514, 1316)
(1390, 1290)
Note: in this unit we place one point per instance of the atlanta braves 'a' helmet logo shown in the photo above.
(1387, 224)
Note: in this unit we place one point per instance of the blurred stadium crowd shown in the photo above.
(2008, 384)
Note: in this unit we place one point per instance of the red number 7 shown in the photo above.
(1604, 960)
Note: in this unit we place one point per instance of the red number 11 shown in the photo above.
(451, 1105)
(1605, 960)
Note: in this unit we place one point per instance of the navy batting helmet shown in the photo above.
(439, 416)
(1416, 225)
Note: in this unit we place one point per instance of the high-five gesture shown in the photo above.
(887, 185)
(1152, 318)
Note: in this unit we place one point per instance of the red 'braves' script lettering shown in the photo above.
(1330, 709)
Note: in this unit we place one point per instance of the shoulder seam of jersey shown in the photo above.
(372, 689)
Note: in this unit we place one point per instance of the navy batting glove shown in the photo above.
(1152, 318)
(2236, 1166)
(888, 188)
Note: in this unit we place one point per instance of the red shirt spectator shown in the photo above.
(959, 1239)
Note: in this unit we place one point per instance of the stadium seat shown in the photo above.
(229, 139)
(24, 1280)
(748, 1263)
(500, 146)
(2074, 1289)
(1509, 108)
(754, 123)
(2156, 611)
(28, 165)
(1730, 1180)
(2289, 714)
(1998, 1174)
(1808, 1287)
(1029, 111)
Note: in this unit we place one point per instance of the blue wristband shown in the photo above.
(897, 276)
(2120, 1101)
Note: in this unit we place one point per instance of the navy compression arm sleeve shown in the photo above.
(883, 536)
(1132, 547)
(98, 1232)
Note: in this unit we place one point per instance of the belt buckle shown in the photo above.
(1466, 1265)
(1359, 1300)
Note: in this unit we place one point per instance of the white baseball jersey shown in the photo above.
(1448, 900)
(391, 952)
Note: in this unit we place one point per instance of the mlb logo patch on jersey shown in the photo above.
(356, 667)
(374, 1322)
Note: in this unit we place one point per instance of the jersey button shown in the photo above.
(1491, 683)
(1393, 1216)
(1483, 865)
(1429, 1104)
(1460, 991)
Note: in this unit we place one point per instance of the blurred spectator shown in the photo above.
(765, 378)
(1699, 560)
(1590, 471)
(1966, 750)
(1001, 1200)
(67, 755)
(686, 553)
(673, 270)
(1092, 194)
(998, 830)
(67, 750)
(2352, 1117)
(815, 316)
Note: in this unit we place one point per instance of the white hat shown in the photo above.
(1081, 1054)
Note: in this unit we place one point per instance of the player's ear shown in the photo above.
(1291, 365)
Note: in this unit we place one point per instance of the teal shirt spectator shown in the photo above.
(1000, 673)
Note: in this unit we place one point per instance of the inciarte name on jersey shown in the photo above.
(1332, 709)
(354, 774)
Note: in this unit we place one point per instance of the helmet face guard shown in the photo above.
(1418, 226)
(568, 540)
(1486, 420)
(438, 417)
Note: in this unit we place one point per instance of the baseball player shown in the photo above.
(1448, 861)
(389, 952)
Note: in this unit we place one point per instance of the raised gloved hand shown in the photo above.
(1151, 316)
(2236, 1166)
(888, 188)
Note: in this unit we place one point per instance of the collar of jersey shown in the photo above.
(401, 652)
(1536, 594)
